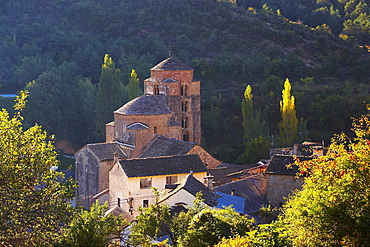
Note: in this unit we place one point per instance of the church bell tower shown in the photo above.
(174, 81)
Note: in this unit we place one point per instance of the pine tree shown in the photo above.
(133, 86)
(289, 124)
(110, 95)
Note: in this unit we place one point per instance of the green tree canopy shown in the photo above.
(196, 226)
(35, 202)
(333, 207)
(93, 228)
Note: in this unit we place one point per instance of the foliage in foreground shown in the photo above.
(333, 209)
(93, 228)
(34, 198)
(197, 226)
(272, 235)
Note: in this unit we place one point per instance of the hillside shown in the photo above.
(228, 46)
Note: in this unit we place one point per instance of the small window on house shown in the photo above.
(119, 202)
(156, 90)
(145, 183)
(145, 203)
(155, 129)
(171, 180)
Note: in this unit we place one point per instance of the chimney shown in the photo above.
(209, 181)
(115, 157)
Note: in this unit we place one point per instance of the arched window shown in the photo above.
(184, 122)
(184, 90)
(155, 129)
(156, 90)
(184, 106)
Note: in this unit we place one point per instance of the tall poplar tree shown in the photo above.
(253, 125)
(247, 112)
(133, 86)
(289, 123)
(110, 95)
(255, 131)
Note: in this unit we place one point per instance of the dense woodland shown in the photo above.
(56, 48)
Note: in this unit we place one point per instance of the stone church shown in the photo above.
(153, 136)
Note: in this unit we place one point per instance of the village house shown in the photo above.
(282, 179)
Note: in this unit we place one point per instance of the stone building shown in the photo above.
(282, 179)
(164, 122)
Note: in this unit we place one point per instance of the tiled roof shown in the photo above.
(171, 64)
(145, 105)
(105, 151)
(221, 173)
(278, 164)
(156, 166)
(252, 189)
(227, 200)
(172, 122)
(162, 146)
(193, 186)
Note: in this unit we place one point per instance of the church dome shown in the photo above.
(171, 64)
(145, 105)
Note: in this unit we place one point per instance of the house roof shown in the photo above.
(222, 171)
(117, 211)
(171, 64)
(226, 200)
(172, 122)
(278, 164)
(105, 151)
(193, 186)
(162, 146)
(145, 105)
(156, 166)
(252, 189)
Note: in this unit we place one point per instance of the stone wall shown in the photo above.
(87, 174)
(279, 187)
